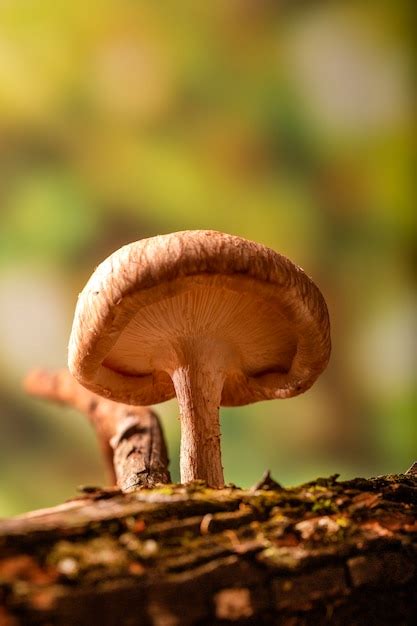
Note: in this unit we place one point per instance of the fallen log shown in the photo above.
(327, 552)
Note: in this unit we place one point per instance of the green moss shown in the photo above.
(73, 559)
(318, 489)
(324, 506)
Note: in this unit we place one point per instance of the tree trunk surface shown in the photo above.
(327, 552)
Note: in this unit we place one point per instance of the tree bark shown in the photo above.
(328, 552)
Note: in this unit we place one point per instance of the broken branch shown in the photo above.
(130, 437)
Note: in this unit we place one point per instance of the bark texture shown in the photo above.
(140, 455)
(328, 552)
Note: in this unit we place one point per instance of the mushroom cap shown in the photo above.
(218, 291)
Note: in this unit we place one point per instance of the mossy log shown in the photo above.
(327, 552)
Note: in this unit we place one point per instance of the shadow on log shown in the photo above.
(328, 552)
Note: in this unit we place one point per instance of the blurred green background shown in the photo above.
(289, 123)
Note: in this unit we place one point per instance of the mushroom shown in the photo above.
(209, 317)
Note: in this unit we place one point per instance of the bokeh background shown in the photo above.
(286, 122)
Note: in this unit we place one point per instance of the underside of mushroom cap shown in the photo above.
(257, 314)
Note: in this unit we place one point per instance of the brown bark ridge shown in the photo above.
(327, 552)
(131, 437)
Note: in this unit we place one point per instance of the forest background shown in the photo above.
(289, 123)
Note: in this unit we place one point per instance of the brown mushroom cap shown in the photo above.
(261, 314)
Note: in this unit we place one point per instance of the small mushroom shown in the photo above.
(211, 318)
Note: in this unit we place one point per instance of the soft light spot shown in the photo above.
(34, 326)
(233, 604)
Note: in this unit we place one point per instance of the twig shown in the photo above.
(130, 437)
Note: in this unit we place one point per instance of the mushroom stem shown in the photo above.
(198, 387)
